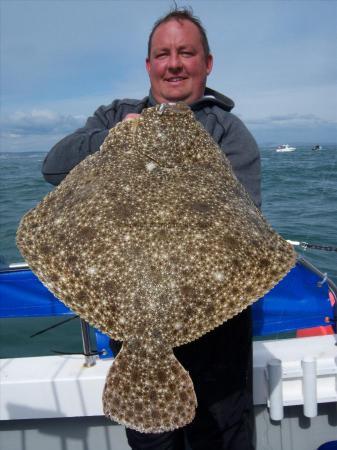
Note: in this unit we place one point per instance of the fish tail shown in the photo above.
(148, 390)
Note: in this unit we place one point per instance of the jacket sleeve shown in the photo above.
(72, 149)
(242, 151)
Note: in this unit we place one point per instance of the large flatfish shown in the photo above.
(155, 242)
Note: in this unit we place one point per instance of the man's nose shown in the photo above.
(174, 62)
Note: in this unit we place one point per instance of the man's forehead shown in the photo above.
(182, 30)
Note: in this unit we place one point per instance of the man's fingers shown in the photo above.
(131, 116)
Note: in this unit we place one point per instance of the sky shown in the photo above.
(62, 59)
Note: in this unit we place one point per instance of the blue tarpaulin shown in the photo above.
(297, 302)
(23, 295)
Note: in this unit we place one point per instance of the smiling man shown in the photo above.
(177, 62)
(220, 362)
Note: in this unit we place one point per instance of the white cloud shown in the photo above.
(39, 122)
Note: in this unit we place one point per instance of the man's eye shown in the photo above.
(187, 53)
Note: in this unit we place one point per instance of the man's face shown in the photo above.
(177, 65)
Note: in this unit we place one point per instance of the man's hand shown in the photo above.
(131, 116)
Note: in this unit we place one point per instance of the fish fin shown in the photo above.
(148, 390)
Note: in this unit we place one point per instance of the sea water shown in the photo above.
(299, 195)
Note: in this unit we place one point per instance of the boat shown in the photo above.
(317, 147)
(285, 148)
(55, 401)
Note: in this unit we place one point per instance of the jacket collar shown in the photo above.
(211, 97)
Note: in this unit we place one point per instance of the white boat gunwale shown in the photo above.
(62, 386)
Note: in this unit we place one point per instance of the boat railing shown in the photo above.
(90, 357)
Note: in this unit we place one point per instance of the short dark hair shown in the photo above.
(179, 14)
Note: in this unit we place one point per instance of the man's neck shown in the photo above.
(153, 101)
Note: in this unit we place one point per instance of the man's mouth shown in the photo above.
(175, 79)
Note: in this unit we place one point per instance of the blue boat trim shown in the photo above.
(299, 301)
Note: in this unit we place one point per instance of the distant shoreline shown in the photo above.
(261, 146)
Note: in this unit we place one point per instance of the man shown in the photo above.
(219, 363)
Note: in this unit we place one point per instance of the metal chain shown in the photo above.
(305, 245)
(327, 248)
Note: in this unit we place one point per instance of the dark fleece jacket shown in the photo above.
(212, 110)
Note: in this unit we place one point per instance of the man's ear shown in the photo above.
(209, 64)
(148, 65)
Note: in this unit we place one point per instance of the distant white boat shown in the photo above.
(285, 148)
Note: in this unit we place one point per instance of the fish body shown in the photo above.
(153, 241)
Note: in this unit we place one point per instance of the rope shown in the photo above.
(93, 353)
(53, 326)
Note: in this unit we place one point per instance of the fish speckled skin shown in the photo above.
(153, 241)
